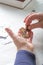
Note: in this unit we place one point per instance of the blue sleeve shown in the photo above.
(25, 58)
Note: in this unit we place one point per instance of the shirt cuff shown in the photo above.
(26, 57)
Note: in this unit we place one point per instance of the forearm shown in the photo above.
(24, 57)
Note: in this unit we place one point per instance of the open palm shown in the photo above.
(20, 42)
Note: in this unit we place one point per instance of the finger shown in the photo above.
(13, 36)
(33, 26)
(27, 17)
(31, 37)
(30, 18)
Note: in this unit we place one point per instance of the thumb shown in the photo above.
(33, 26)
(12, 35)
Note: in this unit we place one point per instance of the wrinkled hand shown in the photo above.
(33, 16)
(20, 42)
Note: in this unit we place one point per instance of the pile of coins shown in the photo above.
(23, 32)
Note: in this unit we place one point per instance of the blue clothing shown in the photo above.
(25, 58)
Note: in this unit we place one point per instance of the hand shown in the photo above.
(33, 16)
(20, 42)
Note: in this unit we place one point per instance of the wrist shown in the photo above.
(27, 48)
